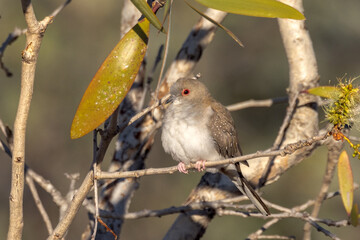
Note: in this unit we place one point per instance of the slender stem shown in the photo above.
(73, 208)
(29, 59)
(39, 204)
(88, 182)
(34, 34)
(333, 155)
(287, 150)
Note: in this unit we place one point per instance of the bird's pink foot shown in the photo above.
(200, 165)
(181, 167)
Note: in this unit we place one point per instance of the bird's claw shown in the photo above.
(182, 168)
(200, 165)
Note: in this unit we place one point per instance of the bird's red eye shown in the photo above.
(185, 92)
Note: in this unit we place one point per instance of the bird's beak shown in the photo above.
(170, 99)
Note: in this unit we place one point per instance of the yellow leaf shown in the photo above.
(112, 81)
(346, 183)
(325, 91)
(256, 8)
(231, 34)
(354, 217)
(146, 10)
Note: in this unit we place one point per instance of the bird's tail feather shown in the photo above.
(244, 186)
(254, 197)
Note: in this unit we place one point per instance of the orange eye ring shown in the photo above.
(185, 92)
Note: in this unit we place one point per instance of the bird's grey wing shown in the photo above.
(223, 132)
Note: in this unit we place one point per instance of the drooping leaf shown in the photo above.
(256, 8)
(346, 183)
(167, 7)
(325, 91)
(231, 34)
(354, 217)
(145, 9)
(112, 81)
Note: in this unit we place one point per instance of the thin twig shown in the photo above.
(170, 170)
(195, 206)
(257, 234)
(107, 228)
(106, 137)
(323, 230)
(59, 9)
(167, 42)
(96, 200)
(148, 109)
(297, 215)
(333, 154)
(5, 148)
(256, 103)
(31, 174)
(289, 114)
(9, 40)
(280, 137)
(96, 195)
(39, 204)
(56, 195)
(9, 139)
(277, 207)
(288, 149)
(74, 206)
(150, 77)
(273, 237)
(219, 206)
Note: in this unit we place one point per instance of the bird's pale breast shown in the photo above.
(186, 137)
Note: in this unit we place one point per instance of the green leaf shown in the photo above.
(346, 183)
(256, 8)
(145, 9)
(112, 81)
(354, 217)
(217, 24)
(325, 91)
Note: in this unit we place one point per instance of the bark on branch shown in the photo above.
(34, 34)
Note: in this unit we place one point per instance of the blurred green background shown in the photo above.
(78, 41)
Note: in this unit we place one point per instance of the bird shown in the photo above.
(197, 128)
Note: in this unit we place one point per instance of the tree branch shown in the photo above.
(9, 40)
(39, 204)
(256, 103)
(257, 234)
(334, 149)
(288, 149)
(34, 34)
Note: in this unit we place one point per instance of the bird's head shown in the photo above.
(187, 90)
